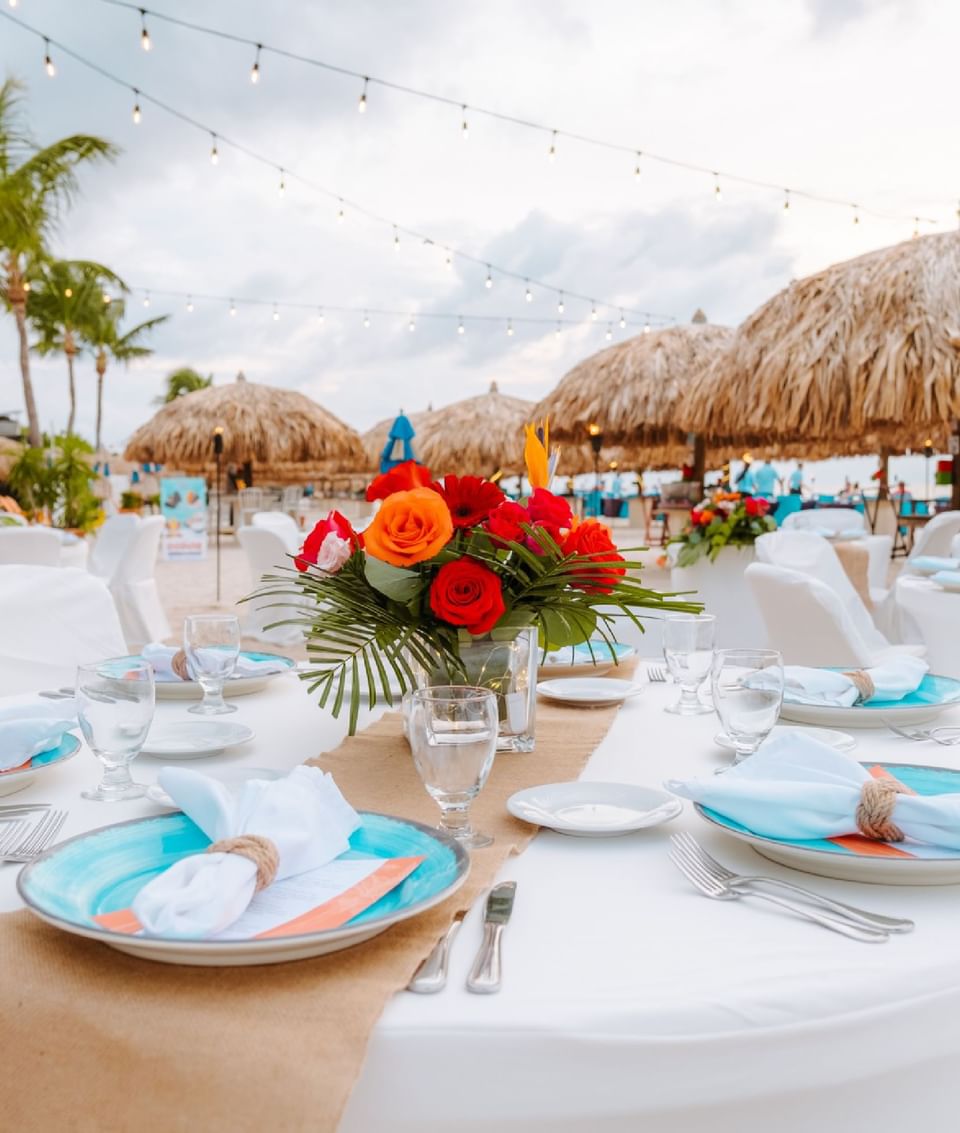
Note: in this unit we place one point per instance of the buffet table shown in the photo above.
(629, 1000)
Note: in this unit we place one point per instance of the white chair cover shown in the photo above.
(53, 618)
(267, 553)
(283, 525)
(134, 587)
(934, 615)
(936, 537)
(830, 518)
(955, 546)
(806, 620)
(111, 543)
(38, 545)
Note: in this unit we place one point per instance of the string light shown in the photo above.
(510, 328)
(556, 333)
(146, 299)
(366, 319)
(593, 313)
(609, 333)
(916, 227)
(27, 285)
(340, 213)
(136, 107)
(189, 305)
(68, 292)
(528, 294)
(623, 321)
(448, 260)
(144, 34)
(107, 299)
(321, 317)
(214, 156)
(276, 314)
(396, 239)
(233, 309)
(411, 326)
(255, 69)
(856, 214)
(283, 184)
(646, 328)
(488, 282)
(13, 3)
(552, 151)
(461, 329)
(362, 104)
(560, 304)
(786, 200)
(464, 127)
(47, 61)
(636, 168)
(716, 187)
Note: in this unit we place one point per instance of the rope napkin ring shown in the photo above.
(260, 850)
(874, 814)
(179, 665)
(864, 683)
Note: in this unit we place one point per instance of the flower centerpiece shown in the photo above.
(726, 519)
(446, 579)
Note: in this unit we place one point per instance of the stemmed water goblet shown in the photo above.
(212, 645)
(688, 651)
(453, 737)
(115, 703)
(747, 693)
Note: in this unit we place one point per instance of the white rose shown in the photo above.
(333, 553)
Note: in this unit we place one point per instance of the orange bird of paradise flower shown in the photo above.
(536, 454)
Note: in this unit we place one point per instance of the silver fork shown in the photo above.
(926, 734)
(656, 674)
(740, 881)
(710, 887)
(36, 840)
(12, 834)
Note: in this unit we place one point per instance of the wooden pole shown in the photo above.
(699, 460)
(955, 448)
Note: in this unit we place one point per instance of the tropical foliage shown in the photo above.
(727, 519)
(183, 381)
(55, 483)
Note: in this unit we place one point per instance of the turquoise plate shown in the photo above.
(102, 870)
(235, 686)
(20, 777)
(578, 661)
(933, 696)
(931, 865)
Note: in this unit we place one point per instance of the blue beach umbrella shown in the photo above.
(401, 433)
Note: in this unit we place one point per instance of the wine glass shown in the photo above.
(747, 692)
(688, 651)
(212, 645)
(453, 736)
(115, 702)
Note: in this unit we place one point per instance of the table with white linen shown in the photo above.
(932, 615)
(629, 1000)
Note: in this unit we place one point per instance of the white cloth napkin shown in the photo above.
(797, 787)
(893, 680)
(304, 814)
(931, 563)
(161, 656)
(949, 578)
(28, 729)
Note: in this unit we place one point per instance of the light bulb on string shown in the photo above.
(636, 168)
(593, 313)
(488, 282)
(13, 3)
(136, 107)
(321, 317)
(214, 154)
(609, 333)
(233, 309)
(282, 188)
(68, 292)
(528, 294)
(27, 286)
(107, 299)
(464, 126)
(461, 329)
(717, 194)
(396, 239)
(255, 69)
(560, 304)
(412, 326)
(366, 319)
(146, 299)
(552, 151)
(144, 34)
(47, 61)
(916, 227)
(362, 104)
(340, 213)
(856, 214)
(448, 260)
(623, 321)
(509, 328)
(276, 314)
(646, 328)
(556, 333)
(189, 304)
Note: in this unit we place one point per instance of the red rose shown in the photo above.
(470, 498)
(757, 505)
(335, 524)
(504, 525)
(549, 510)
(468, 594)
(400, 479)
(695, 516)
(592, 541)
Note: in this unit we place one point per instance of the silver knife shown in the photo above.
(484, 977)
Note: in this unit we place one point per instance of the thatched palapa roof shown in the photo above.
(476, 436)
(262, 424)
(630, 390)
(869, 346)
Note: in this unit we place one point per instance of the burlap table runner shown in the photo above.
(855, 560)
(93, 1039)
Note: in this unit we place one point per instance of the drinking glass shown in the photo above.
(747, 692)
(212, 645)
(115, 701)
(453, 736)
(688, 651)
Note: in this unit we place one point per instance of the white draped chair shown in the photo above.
(937, 537)
(111, 543)
(267, 553)
(53, 618)
(812, 556)
(37, 545)
(134, 587)
(842, 521)
(283, 525)
(807, 621)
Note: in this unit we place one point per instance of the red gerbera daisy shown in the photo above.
(470, 498)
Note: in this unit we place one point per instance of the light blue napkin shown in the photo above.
(927, 564)
(892, 680)
(27, 730)
(948, 578)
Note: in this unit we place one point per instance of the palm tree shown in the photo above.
(67, 294)
(35, 186)
(102, 335)
(182, 381)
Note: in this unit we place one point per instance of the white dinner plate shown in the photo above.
(588, 692)
(232, 776)
(19, 777)
(192, 739)
(594, 810)
(235, 686)
(934, 695)
(841, 741)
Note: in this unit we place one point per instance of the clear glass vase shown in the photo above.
(506, 666)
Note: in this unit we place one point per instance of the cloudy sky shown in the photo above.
(853, 99)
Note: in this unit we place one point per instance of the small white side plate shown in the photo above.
(192, 739)
(590, 692)
(231, 776)
(594, 810)
(841, 741)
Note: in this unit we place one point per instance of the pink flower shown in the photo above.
(333, 553)
(319, 551)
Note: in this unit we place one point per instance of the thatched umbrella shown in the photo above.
(868, 346)
(261, 424)
(475, 437)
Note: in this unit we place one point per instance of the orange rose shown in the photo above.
(409, 528)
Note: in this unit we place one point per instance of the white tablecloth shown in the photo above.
(630, 1001)
(933, 616)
